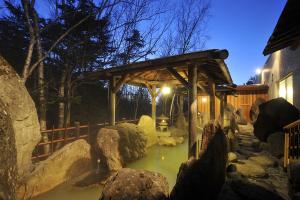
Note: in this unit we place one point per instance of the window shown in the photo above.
(286, 88)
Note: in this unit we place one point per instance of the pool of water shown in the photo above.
(162, 159)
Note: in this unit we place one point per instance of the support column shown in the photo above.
(193, 109)
(112, 98)
(212, 100)
(153, 95)
(223, 103)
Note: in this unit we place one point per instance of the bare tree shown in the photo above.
(188, 28)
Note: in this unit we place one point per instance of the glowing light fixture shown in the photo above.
(258, 71)
(204, 99)
(165, 90)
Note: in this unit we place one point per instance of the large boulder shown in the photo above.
(120, 144)
(240, 189)
(20, 108)
(273, 116)
(204, 177)
(69, 162)
(254, 110)
(276, 144)
(135, 185)
(8, 156)
(146, 123)
(133, 141)
(107, 148)
(240, 119)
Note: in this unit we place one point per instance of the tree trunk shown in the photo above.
(27, 8)
(41, 84)
(61, 107)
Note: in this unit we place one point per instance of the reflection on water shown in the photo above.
(165, 160)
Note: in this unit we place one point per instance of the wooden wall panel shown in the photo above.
(242, 100)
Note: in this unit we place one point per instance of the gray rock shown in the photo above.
(232, 157)
(133, 141)
(263, 160)
(254, 110)
(107, 149)
(249, 168)
(203, 178)
(69, 162)
(240, 189)
(273, 116)
(22, 113)
(276, 144)
(135, 185)
(146, 123)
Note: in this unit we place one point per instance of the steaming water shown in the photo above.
(165, 160)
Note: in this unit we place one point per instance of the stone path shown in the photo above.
(259, 166)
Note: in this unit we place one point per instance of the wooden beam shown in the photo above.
(112, 95)
(212, 100)
(120, 82)
(178, 77)
(193, 110)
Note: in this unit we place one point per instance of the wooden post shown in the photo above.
(77, 130)
(112, 98)
(52, 137)
(223, 103)
(212, 100)
(153, 95)
(193, 106)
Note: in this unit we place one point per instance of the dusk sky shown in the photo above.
(243, 27)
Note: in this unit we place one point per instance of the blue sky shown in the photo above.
(240, 26)
(243, 27)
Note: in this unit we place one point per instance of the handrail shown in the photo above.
(291, 125)
(69, 134)
(291, 142)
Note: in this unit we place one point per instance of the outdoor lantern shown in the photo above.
(163, 123)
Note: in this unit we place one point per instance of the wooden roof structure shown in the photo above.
(287, 30)
(172, 70)
(202, 70)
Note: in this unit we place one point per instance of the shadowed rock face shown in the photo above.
(135, 185)
(23, 116)
(273, 116)
(8, 156)
(242, 189)
(203, 178)
(254, 110)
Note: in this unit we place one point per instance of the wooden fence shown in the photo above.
(291, 143)
(62, 136)
(244, 98)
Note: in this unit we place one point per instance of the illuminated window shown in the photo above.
(286, 89)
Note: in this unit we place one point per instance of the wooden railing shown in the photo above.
(62, 136)
(291, 143)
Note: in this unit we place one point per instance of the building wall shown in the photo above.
(278, 66)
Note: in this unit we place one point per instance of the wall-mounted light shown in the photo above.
(258, 71)
(204, 99)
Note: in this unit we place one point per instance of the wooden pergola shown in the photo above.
(197, 71)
